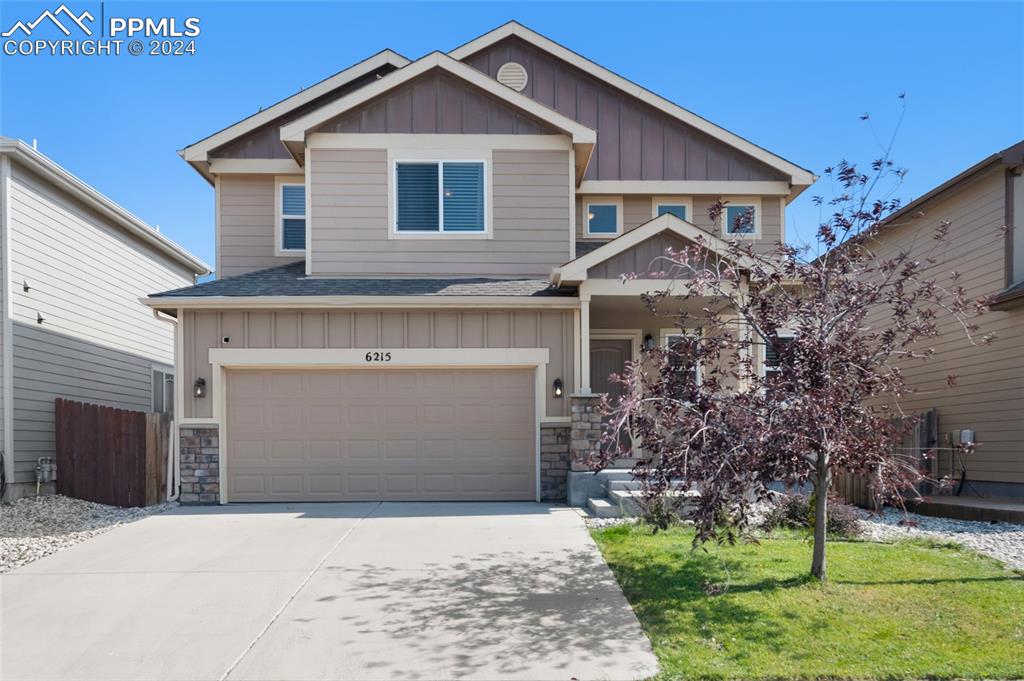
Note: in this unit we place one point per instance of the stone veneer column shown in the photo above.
(585, 429)
(200, 465)
(554, 461)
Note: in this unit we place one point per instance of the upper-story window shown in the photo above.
(1016, 201)
(291, 217)
(435, 197)
(680, 206)
(603, 217)
(741, 218)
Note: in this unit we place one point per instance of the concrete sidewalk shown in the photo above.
(326, 591)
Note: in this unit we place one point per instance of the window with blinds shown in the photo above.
(440, 196)
(292, 220)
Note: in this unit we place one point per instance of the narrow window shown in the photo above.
(1016, 199)
(440, 197)
(684, 358)
(603, 219)
(293, 217)
(163, 392)
(772, 354)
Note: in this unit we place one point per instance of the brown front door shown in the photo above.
(608, 357)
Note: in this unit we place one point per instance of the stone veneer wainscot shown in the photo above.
(200, 465)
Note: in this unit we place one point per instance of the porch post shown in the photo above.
(584, 381)
(744, 330)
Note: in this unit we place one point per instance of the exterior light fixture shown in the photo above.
(648, 342)
(200, 387)
(556, 387)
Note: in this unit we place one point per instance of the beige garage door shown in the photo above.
(382, 434)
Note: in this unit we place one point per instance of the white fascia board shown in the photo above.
(364, 302)
(200, 150)
(800, 176)
(61, 178)
(295, 131)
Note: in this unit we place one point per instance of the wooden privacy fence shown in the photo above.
(856, 489)
(111, 456)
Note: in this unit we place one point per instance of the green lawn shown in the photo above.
(907, 610)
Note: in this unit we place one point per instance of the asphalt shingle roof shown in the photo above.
(291, 280)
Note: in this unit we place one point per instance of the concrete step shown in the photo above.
(602, 508)
(629, 500)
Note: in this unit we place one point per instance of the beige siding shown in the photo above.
(203, 330)
(97, 342)
(990, 393)
(637, 209)
(245, 239)
(530, 219)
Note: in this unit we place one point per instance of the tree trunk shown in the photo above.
(821, 485)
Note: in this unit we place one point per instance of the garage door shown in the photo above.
(391, 434)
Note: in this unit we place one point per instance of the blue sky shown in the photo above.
(791, 77)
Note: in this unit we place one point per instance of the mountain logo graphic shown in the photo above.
(77, 20)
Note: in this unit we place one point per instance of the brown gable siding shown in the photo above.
(635, 141)
(265, 141)
(990, 391)
(436, 103)
(642, 258)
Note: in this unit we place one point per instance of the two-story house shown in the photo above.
(419, 263)
(984, 209)
(73, 265)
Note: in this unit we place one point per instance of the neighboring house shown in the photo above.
(418, 290)
(74, 267)
(985, 244)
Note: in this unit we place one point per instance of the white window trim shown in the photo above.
(393, 232)
(167, 372)
(752, 201)
(686, 201)
(602, 201)
(762, 357)
(665, 334)
(279, 184)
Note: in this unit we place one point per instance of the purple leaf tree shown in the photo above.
(838, 323)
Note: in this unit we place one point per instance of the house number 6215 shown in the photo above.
(378, 357)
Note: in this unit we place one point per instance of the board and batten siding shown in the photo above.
(530, 195)
(373, 329)
(245, 225)
(989, 395)
(97, 342)
(635, 141)
(637, 209)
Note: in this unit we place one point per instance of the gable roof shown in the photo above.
(583, 138)
(61, 178)
(800, 177)
(199, 151)
(575, 271)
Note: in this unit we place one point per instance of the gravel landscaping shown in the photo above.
(1002, 541)
(34, 527)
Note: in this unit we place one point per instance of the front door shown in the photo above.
(609, 356)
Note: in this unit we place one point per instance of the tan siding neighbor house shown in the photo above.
(75, 265)
(418, 291)
(984, 207)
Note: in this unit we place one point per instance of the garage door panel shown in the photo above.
(395, 434)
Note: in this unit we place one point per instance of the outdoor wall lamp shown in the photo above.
(200, 387)
(556, 387)
(648, 342)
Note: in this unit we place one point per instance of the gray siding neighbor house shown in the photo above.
(74, 267)
(418, 291)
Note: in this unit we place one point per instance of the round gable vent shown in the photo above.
(513, 75)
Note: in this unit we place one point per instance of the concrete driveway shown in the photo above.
(326, 591)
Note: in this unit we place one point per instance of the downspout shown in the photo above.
(8, 323)
(174, 460)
